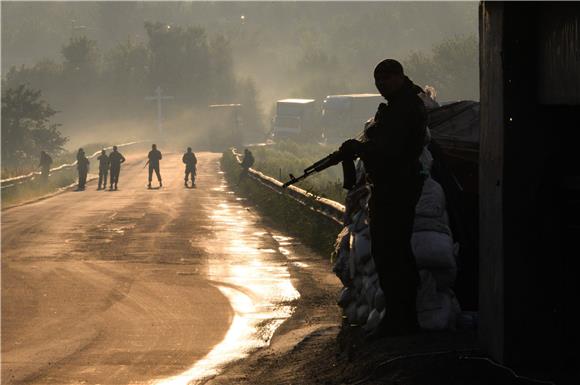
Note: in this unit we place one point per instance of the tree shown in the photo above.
(452, 68)
(180, 61)
(26, 127)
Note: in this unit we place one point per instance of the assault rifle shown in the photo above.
(333, 159)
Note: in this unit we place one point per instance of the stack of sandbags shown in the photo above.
(362, 299)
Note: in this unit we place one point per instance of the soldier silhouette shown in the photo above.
(247, 162)
(390, 152)
(115, 160)
(83, 168)
(45, 163)
(154, 157)
(190, 166)
(103, 169)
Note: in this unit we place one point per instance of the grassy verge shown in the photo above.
(280, 159)
(35, 188)
(282, 212)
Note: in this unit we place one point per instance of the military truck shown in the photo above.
(296, 119)
(343, 116)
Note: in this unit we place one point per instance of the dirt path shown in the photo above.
(133, 286)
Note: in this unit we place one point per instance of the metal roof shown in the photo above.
(301, 101)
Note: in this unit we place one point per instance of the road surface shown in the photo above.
(138, 286)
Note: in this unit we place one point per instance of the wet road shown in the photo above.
(138, 286)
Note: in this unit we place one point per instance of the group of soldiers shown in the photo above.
(110, 165)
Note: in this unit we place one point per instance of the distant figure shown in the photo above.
(190, 166)
(154, 157)
(247, 162)
(115, 160)
(103, 169)
(45, 163)
(83, 168)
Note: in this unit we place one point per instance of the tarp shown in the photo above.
(456, 121)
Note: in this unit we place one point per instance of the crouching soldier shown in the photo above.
(190, 166)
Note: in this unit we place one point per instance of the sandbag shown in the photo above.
(432, 200)
(380, 300)
(445, 278)
(345, 297)
(373, 320)
(433, 249)
(362, 314)
(436, 310)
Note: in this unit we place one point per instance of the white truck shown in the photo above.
(297, 119)
(343, 116)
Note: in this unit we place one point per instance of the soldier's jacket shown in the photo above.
(189, 159)
(154, 157)
(394, 141)
(103, 162)
(82, 162)
(115, 159)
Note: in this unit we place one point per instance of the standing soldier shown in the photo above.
(103, 169)
(390, 152)
(83, 168)
(115, 160)
(190, 166)
(45, 163)
(154, 157)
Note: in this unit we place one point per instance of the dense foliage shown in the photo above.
(26, 127)
(194, 69)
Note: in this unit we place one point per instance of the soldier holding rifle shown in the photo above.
(390, 149)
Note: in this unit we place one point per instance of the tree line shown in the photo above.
(187, 64)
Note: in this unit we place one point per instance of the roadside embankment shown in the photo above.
(282, 212)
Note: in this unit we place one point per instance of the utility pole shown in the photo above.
(159, 97)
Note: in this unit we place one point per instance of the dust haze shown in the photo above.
(96, 62)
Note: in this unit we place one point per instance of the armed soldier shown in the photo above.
(115, 160)
(154, 157)
(390, 151)
(103, 169)
(190, 166)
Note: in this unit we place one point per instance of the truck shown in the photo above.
(296, 119)
(343, 116)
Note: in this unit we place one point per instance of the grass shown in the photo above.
(282, 212)
(280, 159)
(36, 188)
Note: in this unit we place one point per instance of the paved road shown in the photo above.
(123, 287)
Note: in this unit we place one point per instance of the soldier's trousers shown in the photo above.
(83, 177)
(115, 171)
(190, 171)
(156, 169)
(103, 177)
(391, 217)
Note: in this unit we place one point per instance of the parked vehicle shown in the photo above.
(343, 116)
(296, 119)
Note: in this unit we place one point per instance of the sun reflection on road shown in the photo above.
(256, 281)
